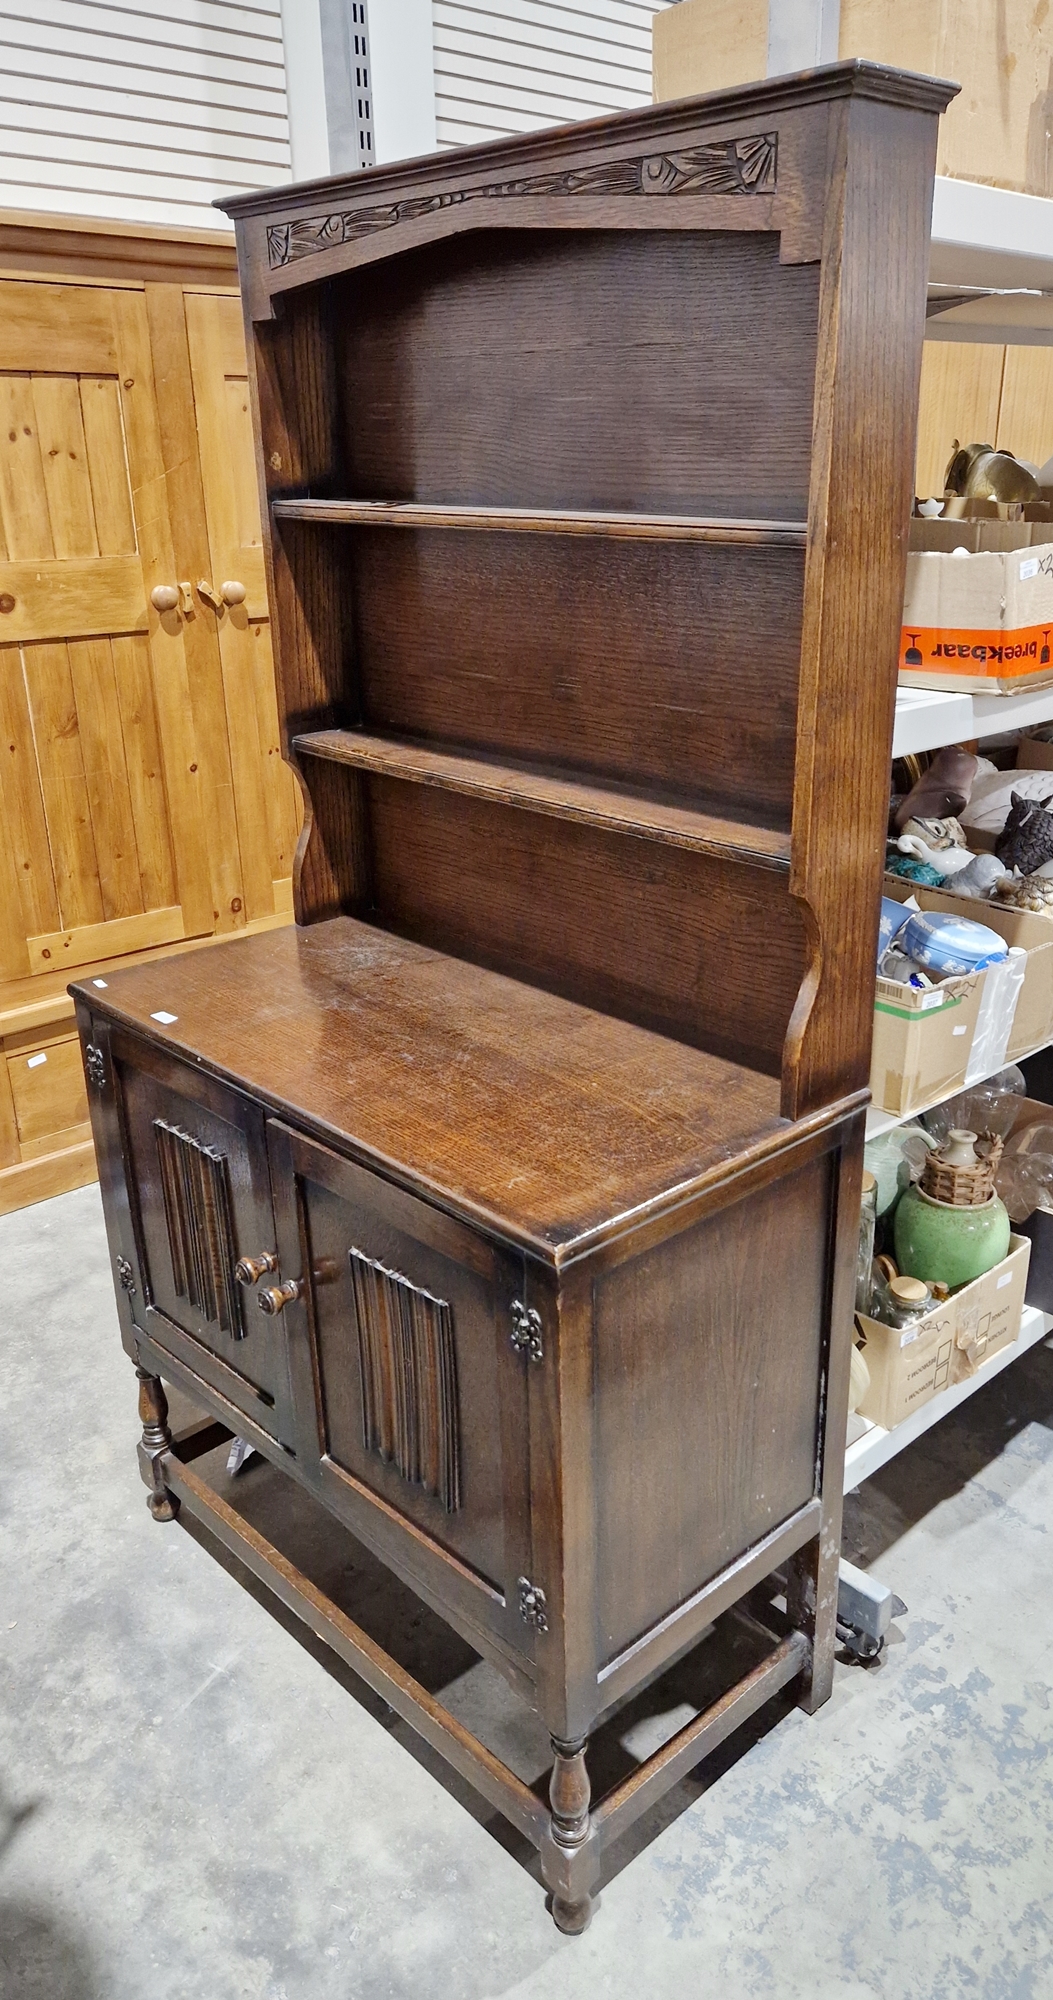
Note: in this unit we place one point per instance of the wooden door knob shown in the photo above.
(164, 597)
(249, 1270)
(233, 592)
(279, 1296)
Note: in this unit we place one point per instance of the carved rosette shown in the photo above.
(410, 1415)
(746, 166)
(95, 1065)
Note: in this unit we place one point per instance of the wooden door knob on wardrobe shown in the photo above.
(233, 592)
(164, 597)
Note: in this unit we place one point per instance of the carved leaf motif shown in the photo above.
(195, 1183)
(408, 1369)
(723, 166)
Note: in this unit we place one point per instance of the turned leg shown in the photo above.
(155, 1441)
(569, 1862)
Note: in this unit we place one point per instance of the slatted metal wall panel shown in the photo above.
(504, 66)
(140, 110)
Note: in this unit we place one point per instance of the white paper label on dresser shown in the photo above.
(98, 982)
(34, 1062)
(240, 1450)
(167, 1019)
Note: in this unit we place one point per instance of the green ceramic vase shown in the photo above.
(947, 1245)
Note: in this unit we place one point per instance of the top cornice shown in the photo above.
(647, 126)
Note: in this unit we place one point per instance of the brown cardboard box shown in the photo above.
(987, 1313)
(1033, 1021)
(995, 131)
(979, 623)
(922, 1041)
(1031, 755)
(942, 537)
(910, 1365)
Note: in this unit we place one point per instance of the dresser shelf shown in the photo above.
(561, 795)
(543, 521)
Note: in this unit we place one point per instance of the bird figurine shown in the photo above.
(1026, 840)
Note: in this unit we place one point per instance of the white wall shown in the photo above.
(140, 110)
(144, 110)
(504, 66)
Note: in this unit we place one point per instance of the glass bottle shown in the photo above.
(909, 1301)
(867, 1225)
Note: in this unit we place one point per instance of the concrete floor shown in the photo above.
(193, 1808)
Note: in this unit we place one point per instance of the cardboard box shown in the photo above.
(1033, 1020)
(942, 537)
(980, 623)
(987, 1312)
(1039, 1227)
(1031, 755)
(910, 1365)
(907, 1365)
(922, 1041)
(994, 131)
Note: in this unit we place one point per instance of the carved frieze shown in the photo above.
(410, 1416)
(195, 1182)
(744, 166)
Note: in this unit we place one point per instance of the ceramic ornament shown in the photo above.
(944, 788)
(1026, 840)
(940, 843)
(950, 946)
(1027, 892)
(992, 797)
(981, 877)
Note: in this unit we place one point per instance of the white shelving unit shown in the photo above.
(991, 236)
(925, 719)
(981, 237)
(876, 1446)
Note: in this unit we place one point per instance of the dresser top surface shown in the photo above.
(514, 1106)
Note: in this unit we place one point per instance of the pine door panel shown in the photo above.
(104, 847)
(265, 792)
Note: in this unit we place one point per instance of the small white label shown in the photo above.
(34, 1062)
(954, 1031)
(1028, 568)
(906, 1338)
(98, 982)
(933, 999)
(167, 1019)
(1005, 1279)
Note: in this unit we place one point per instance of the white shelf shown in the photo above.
(926, 719)
(990, 236)
(877, 1446)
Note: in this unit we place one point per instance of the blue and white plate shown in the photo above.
(949, 945)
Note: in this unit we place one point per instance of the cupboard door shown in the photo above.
(265, 793)
(104, 837)
(410, 1399)
(195, 1157)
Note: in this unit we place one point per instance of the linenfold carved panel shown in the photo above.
(195, 1181)
(723, 166)
(409, 1379)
